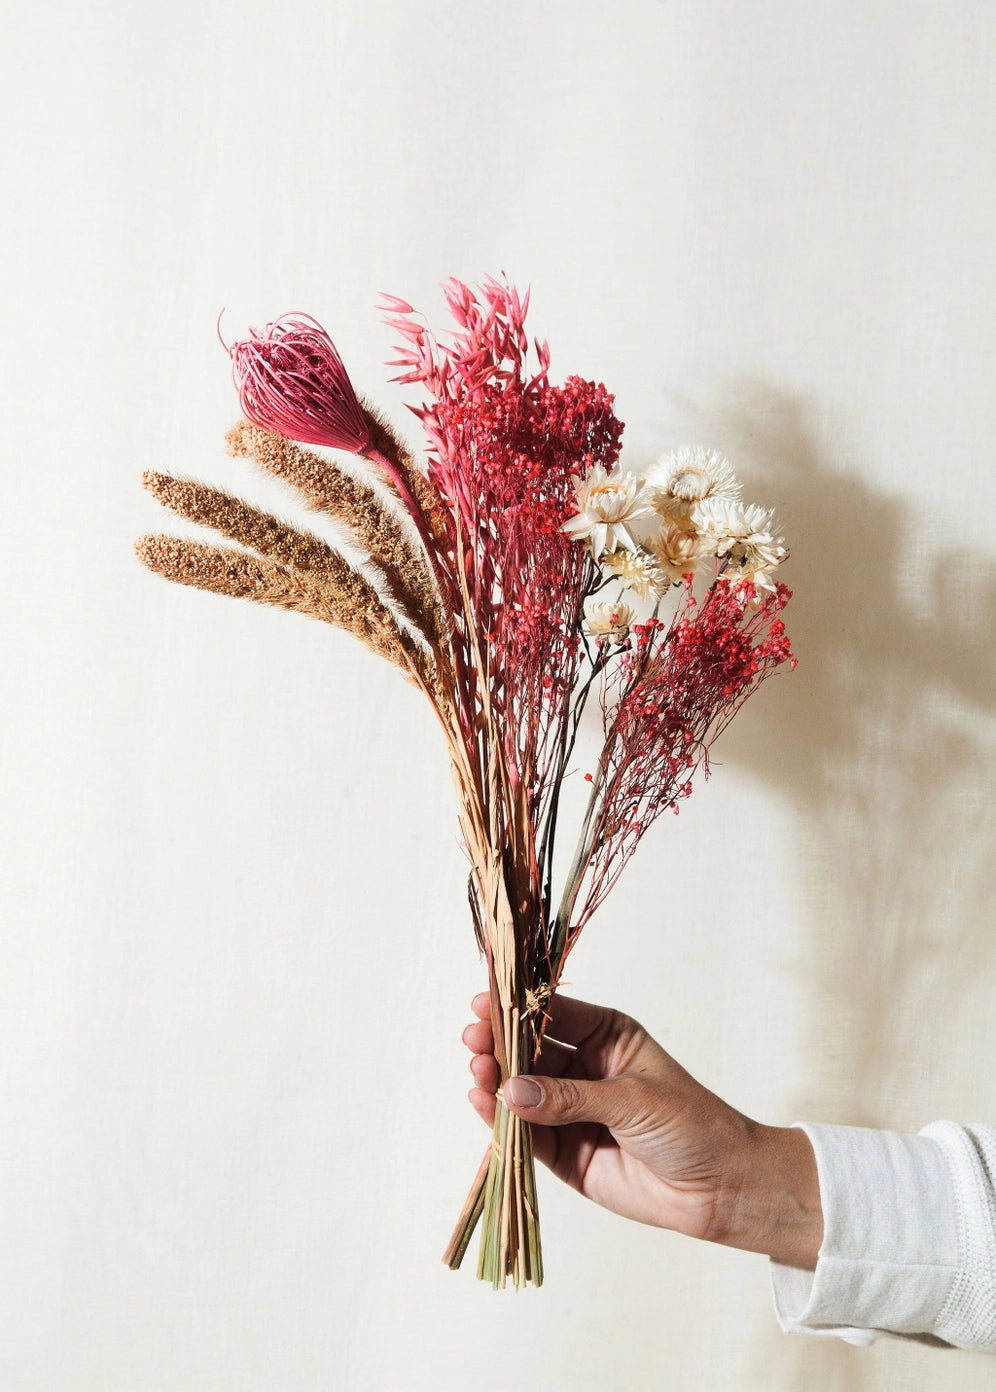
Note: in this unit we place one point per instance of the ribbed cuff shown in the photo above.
(890, 1248)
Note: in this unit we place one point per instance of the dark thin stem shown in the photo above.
(568, 741)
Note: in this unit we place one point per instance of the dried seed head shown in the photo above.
(329, 489)
(342, 597)
(249, 526)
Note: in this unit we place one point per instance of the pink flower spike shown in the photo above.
(414, 332)
(390, 304)
(291, 380)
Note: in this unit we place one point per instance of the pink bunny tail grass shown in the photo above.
(291, 380)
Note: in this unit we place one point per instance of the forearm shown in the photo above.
(770, 1201)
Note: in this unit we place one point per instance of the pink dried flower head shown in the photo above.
(291, 380)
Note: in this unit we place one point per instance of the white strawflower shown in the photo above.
(638, 571)
(679, 552)
(606, 506)
(744, 536)
(682, 477)
(607, 619)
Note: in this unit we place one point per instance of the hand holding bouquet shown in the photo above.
(517, 578)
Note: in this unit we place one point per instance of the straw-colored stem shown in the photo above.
(503, 1198)
(470, 1216)
(510, 1241)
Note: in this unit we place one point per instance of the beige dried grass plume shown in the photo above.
(326, 488)
(308, 576)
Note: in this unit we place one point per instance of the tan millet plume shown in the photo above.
(342, 596)
(327, 488)
(248, 525)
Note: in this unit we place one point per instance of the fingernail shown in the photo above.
(523, 1092)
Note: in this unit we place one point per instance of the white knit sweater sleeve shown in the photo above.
(909, 1244)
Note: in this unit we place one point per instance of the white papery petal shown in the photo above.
(689, 474)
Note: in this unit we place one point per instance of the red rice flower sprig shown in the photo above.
(505, 447)
(681, 686)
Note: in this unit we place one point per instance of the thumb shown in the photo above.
(614, 1102)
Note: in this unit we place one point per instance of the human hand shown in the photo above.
(619, 1120)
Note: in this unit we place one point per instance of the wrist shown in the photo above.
(771, 1203)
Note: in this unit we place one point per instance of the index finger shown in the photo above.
(606, 1042)
(595, 1031)
(576, 1021)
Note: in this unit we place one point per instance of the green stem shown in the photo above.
(503, 1195)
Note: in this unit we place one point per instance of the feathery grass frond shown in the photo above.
(327, 488)
(241, 522)
(342, 596)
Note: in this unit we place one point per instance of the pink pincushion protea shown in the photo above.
(291, 380)
(500, 611)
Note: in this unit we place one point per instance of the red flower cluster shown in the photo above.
(717, 654)
(505, 449)
(681, 686)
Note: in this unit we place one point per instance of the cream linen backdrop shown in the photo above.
(236, 956)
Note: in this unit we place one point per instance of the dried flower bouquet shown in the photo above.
(504, 579)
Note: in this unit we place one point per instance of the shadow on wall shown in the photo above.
(884, 741)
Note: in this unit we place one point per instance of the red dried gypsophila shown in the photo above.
(682, 685)
(505, 448)
(522, 448)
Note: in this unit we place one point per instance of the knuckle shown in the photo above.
(625, 1024)
(639, 1106)
(569, 1099)
(629, 1039)
(622, 1030)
